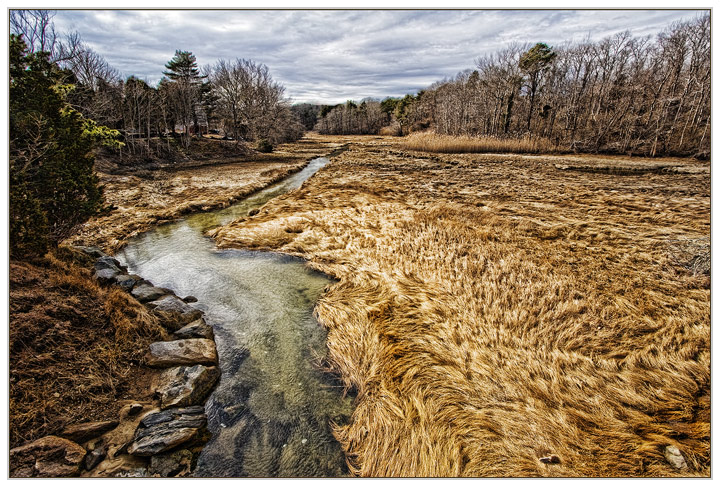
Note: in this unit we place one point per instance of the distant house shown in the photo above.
(203, 128)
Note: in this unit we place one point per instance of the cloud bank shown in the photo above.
(329, 56)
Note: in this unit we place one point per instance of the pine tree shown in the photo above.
(534, 63)
(182, 69)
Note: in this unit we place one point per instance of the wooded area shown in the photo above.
(237, 98)
(66, 101)
(623, 94)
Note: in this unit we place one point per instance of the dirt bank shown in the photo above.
(496, 310)
(76, 348)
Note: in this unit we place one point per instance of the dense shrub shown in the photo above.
(264, 145)
(52, 184)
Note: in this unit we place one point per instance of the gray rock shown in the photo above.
(107, 262)
(175, 464)
(675, 458)
(106, 276)
(50, 456)
(91, 251)
(186, 386)
(190, 416)
(93, 458)
(148, 292)
(196, 329)
(163, 431)
(127, 281)
(131, 473)
(173, 312)
(191, 351)
(83, 432)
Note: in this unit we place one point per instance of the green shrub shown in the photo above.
(264, 145)
(53, 187)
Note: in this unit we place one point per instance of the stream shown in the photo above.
(271, 411)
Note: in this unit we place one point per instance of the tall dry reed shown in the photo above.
(432, 142)
(492, 311)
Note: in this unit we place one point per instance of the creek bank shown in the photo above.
(145, 197)
(151, 439)
(145, 444)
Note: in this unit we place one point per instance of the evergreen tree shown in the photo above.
(534, 63)
(53, 187)
(183, 70)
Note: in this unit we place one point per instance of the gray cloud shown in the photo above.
(331, 56)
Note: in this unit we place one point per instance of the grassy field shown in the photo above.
(493, 310)
(430, 142)
(143, 197)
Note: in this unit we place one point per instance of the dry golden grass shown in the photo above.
(150, 197)
(492, 310)
(432, 142)
(75, 347)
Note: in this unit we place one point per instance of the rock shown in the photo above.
(93, 458)
(106, 276)
(135, 409)
(121, 466)
(133, 473)
(190, 299)
(174, 312)
(148, 292)
(550, 459)
(127, 281)
(253, 212)
(83, 432)
(674, 457)
(196, 329)
(190, 351)
(163, 431)
(107, 262)
(50, 456)
(186, 386)
(116, 442)
(175, 464)
(92, 251)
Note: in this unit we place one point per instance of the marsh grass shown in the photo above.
(432, 142)
(494, 310)
(145, 197)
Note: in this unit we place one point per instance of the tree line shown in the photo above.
(622, 94)
(236, 98)
(367, 117)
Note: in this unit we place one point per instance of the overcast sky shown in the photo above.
(332, 56)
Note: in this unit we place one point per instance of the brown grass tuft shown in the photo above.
(75, 347)
(130, 319)
(432, 142)
(492, 311)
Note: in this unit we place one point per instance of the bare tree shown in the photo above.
(36, 27)
(621, 94)
(250, 104)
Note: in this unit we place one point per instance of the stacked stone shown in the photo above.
(160, 439)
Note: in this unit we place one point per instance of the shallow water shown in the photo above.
(271, 411)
